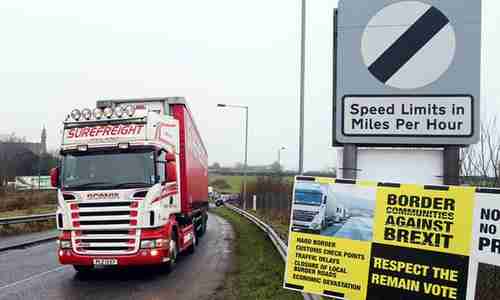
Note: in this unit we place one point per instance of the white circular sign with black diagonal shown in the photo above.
(408, 45)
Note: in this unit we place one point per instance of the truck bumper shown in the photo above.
(141, 258)
(305, 229)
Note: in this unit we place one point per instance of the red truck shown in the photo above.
(132, 184)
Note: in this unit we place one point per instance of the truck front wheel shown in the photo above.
(204, 224)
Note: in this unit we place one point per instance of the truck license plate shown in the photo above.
(105, 262)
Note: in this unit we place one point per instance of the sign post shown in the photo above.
(407, 75)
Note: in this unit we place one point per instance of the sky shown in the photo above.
(60, 55)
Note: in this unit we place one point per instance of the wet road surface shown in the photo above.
(34, 273)
(355, 228)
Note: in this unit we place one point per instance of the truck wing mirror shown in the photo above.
(171, 171)
(170, 157)
(54, 177)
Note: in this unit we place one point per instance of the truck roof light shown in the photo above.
(130, 110)
(119, 110)
(82, 147)
(86, 113)
(108, 112)
(97, 113)
(76, 114)
(123, 145)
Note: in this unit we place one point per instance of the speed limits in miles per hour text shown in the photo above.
(411, 116)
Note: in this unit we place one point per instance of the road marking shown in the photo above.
(30, 278)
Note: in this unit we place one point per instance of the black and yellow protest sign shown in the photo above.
(326, 266)
(361, 240)
(425, 218)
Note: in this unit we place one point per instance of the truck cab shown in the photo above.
(126, 184)
(310, 207)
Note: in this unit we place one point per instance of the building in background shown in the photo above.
(11, 143)
(19, 157)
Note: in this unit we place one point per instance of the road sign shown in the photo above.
(408, 72)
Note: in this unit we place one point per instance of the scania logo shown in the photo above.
(103, 196)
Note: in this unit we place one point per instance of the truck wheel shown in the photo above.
(82, 270)
(204, 225)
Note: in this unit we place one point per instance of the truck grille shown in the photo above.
(105, 228)
(303, 216)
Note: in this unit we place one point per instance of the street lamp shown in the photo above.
(302, 85)
(246, 148)
(279, 154)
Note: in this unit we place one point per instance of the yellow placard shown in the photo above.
(328, 266)
(428, 219)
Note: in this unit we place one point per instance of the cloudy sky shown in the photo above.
(60, 55)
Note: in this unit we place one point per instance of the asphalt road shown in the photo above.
(355, 228)
(34, 273)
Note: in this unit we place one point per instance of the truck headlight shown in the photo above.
(119, 111)
(76, 114)
(130, 110)
(86, 113)
(157, 243)
(64, 244)
(97, 113)
(108, 112)
(147, 244)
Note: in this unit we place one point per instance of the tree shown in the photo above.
(13, 138)
(239, 166)
(18, 159)
(276, 167)
(480, 163)
(215, 166)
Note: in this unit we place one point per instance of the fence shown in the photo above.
(273, 195)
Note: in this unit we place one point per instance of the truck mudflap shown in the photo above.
(186, 237)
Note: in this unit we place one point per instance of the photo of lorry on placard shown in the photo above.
(314, 208)
(333, 210)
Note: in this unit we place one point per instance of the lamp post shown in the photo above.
(246, 148)
(302, 87)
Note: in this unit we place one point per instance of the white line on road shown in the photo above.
(30, 278)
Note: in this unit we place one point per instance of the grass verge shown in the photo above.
(279, 222)
(233, 182)
(42, 209)
(259, 270)
(15, 229)
(14, 204)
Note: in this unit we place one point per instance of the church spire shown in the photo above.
(43, 141)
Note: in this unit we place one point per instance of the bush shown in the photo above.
(220, 184)
(26, 200)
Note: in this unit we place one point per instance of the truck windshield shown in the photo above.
(307, 197)
(108, 170)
